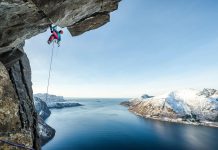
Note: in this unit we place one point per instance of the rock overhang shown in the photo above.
(66, 13)
(23, 19)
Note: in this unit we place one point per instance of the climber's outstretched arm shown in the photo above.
(50, 26)
(54, 28)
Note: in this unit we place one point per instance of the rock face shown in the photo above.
(8, 102)
(135, 101)
(21, 20)
(46, 132)
(41, 108)
(185, 106)
(78, 16)
(126, 103)
(12, 126)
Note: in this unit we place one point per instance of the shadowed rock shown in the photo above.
(45, 131)
(41, 108)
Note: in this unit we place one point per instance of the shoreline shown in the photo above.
(170, 120)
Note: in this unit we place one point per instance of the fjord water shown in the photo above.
(103, 124)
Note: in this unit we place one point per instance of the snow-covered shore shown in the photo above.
(187, 106)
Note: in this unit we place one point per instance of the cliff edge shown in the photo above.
(21, 20)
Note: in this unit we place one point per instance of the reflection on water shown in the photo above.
(105, 125)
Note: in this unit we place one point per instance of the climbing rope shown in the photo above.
(16, 145)
(49, 74)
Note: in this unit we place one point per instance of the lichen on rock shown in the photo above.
(9, 118)
(21, 137)
(10, 122)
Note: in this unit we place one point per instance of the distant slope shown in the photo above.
(185, 106)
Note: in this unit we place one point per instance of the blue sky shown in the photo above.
(150, 46)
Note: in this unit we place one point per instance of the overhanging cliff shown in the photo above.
(21, 20)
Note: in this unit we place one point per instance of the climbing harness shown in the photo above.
(49, 74)
(16, 144)
(55, 34)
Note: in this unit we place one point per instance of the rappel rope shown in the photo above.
(49, 74)
(16, 145)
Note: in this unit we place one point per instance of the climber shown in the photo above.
(55, 35)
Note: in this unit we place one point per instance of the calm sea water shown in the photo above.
(105, 125)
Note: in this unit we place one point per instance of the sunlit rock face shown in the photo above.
(68, 12)
(11, 125)
(185, 106)
(9, 118)
(21, 20)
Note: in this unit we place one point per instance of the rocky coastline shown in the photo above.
(21, 20)
(186, 106)
(43, 106)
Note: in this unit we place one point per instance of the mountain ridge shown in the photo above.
(199, 107)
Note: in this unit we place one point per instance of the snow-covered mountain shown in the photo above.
(187, 105)
(50, 98)
(54, 101)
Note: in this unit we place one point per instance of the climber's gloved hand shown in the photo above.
(50, 26)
